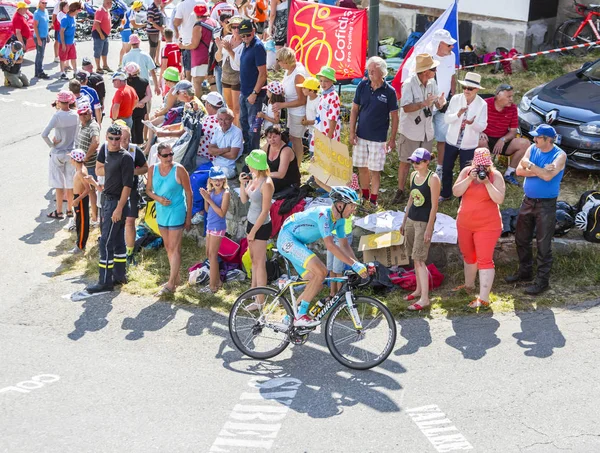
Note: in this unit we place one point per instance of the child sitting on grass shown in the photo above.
(81, 202)
(216, 203)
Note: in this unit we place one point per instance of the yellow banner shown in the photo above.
(332, 163)
(150, 217)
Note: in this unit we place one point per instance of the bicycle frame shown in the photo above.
(344, 291)
(588, 20)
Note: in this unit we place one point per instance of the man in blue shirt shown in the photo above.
(40, 36)
(543, 167)
(67, 49)
(95, 104)
(226, 143)
(374, 103)
(253, 78)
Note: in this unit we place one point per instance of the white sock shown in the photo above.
(509, 171)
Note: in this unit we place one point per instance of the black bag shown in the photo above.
(381, 280)
(273, 270)
(585, 197)
(592, 230)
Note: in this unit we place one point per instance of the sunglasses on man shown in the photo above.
(245, 35)
(113, 139)
(469, 88)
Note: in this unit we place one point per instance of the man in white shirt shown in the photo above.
(419, 95)
(227, 143)
(445, 77)
(184, 26)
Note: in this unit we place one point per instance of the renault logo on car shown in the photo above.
(551, 116)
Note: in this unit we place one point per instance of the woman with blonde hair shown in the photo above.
(231, 47)
(258, 188)
(295, 100)
(479, 223)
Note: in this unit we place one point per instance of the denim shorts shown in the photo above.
(334, 264)
(100, 47)
(440, 127)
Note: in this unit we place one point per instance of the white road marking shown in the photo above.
(33, 104)
(435, 426)
(34, 383)
(244, 427)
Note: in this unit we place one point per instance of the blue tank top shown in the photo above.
(535, 187)
(168, 187)
(213, 220)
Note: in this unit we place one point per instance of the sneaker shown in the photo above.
(512, 180)
(94, 223)
(98, 288)
(305, 321)
(76, 251)
(205, 290)
(70, 226)
(198, 218)
(515, 278)
(57, 60)
(439, 172)
(43, 75)
(399, 197)
(63, 76)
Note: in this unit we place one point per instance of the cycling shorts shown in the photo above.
(294, 251)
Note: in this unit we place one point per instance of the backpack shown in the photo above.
(216, 31)
(590, 195)
(273, 270)
(592, 230)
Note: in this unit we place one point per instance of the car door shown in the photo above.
(5, 26)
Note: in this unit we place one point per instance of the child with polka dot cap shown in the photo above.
(81, 201)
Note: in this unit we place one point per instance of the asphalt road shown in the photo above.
(121, 373)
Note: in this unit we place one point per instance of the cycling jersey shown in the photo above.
(315, 223)
(304, 228)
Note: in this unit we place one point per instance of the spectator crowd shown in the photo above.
(223, 116)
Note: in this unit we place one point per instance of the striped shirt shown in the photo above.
(84, 139)
(500, 122)
(154, 15)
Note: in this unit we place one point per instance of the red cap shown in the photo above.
(200, 10)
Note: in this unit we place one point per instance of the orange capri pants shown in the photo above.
(478, 246)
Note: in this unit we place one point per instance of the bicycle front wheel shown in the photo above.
(365, 348)
(258, 323)
(564, 37)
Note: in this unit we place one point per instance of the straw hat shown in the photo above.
(425, 62)
(472, 79)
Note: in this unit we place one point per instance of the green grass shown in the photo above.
(576, 276)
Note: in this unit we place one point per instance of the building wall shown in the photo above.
(505, 9)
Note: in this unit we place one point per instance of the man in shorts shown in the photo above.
(88, 140)
(374, 103)
(100, 34)
(419, 95)
(500, 135)
(309, 226)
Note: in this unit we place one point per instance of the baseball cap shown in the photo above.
(200, 10)
(544, 130)
(119, 76)
(419, 155)
(310, 83)
(84, 108)
(114, 129)
(77, 155)
(246, 27)
(443, 35)
(134, 39)
(216, 173)
(82, 76)
(213, 98)
(86, 61)
(182, 85)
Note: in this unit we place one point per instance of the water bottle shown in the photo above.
(286, 320)
(316, 309)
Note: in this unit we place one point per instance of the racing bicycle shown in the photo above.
(360, 331)
(579, 31)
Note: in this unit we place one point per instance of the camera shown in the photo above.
(481, 172)
(427, 112)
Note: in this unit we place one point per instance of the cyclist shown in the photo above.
(309, 226)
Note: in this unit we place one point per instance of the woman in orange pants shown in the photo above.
(479, 223)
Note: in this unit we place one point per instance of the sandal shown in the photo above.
(69, 213)
(163, 291)
(410, 297)
(468, 289)
(107, 69)
(477, 303)
(99, 71)
(416, 307)
(56, 215)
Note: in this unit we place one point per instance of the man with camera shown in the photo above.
(419, 95)
(543, 166)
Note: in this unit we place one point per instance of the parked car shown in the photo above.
(571, 104)
(7, 12)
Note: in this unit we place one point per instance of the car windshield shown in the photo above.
(593, 72)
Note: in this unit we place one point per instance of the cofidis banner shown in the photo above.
(323, 35)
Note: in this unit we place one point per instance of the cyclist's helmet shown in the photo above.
(344, 194)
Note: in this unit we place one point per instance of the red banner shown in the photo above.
(323, 35)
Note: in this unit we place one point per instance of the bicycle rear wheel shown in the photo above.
(260, 333)
(563, 37)
(365, 348)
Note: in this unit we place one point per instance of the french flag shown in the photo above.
(426, 44)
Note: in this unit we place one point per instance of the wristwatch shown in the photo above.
(503, 139)
(530, 165)
(254, 92)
